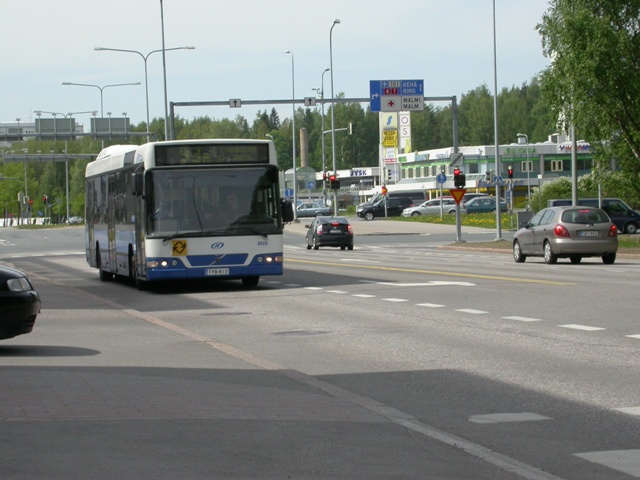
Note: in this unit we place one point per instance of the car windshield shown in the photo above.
(584, 216)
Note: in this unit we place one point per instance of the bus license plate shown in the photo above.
(216, 271)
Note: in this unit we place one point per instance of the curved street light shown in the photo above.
(333, 127)
(101, 88)
(144, 58)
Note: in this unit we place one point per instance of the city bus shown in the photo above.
(159, 211)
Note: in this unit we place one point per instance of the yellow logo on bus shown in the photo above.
(178, 248)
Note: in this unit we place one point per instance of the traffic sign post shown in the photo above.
(458, 194)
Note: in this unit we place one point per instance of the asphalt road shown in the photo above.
(394, 360)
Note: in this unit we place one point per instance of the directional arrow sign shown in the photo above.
(235, 103)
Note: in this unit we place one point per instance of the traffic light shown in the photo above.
(510, 171)
(389, 174)
(459, 178)
(350, 128)
(44, 199)
(334, 183)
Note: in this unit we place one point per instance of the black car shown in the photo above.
(19, 303)
(394, 206)
(330, 232)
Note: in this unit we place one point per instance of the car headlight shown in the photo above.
(19, 285)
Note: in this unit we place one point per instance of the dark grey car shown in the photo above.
(567, 232)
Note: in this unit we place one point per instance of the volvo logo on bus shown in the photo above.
(217, 245)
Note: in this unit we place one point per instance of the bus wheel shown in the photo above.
(133, 273)
(104, 276)
(250, 281)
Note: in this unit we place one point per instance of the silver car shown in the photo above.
(431, 207)
(313, 209)
(567, 232)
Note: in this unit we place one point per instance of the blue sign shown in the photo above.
(311, 185)
(396, 95)
(441, 178)
(288, 192)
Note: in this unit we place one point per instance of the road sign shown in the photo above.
(309, 101)
(389, 138)
(288, 192)
(457, 194)
(311, 185)
(396, 95)
(441, 178)
(235, 103)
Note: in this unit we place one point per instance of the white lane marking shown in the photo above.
(627, 461)
(586, 328)
(313, 288)
(471, 310)
(633, 336)
(629, 410)
(507, 417)
(395, 300)
(363, 295)
(424, 284)
(336, 291)
(430, 305)
(522, 319)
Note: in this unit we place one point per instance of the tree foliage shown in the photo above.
(521, 109)
(593, 81)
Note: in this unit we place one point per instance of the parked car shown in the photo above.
(561, 232)
(19, 303)
(470, 196)
(431, 207)
(626, 219)
(329, 232)
(312, 209)
(394, 207)
(484, 205)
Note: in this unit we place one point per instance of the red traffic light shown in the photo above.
(510, 172)
(332, 178)
(456, 171)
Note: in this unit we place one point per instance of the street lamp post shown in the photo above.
(293, 125)
(526, 137)
(324, 164)
(333, 126)
(144, 58)
(495, 127)
(101, 89)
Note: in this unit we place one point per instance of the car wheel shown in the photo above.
(575, 259)
(342, 247)
(452, 212)
(517, 253)
(549, 256)
(368, 216)
(609, 258)
(318, 214)
(415, 214)
(350, 247)
(315, 243)
(308, 246)
(631, 228)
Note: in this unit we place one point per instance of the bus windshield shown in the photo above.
(204, 202)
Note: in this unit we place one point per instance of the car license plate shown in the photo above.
(335, 230)
(216, 271)
(588, 233)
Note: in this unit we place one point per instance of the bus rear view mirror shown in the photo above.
(138, 183)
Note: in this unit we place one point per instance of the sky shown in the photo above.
(240, 52)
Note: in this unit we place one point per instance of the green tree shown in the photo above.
(594, 47)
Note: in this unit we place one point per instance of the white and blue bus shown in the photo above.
(186, 209)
